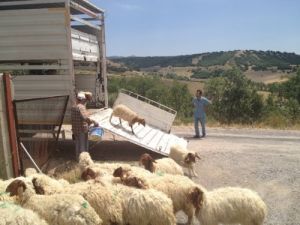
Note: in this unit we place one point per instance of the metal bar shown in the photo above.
(151, 102)
(91, 5)
(33, 67)
(11, 124)
(29, 156)
(33, 99)
(84, 10)
(62, 117)
(32, 2)
(85, 22)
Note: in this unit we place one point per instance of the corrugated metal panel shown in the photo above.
(85, 46)
(33, 34)
(36, 86)
(148, 137)
(86, 83)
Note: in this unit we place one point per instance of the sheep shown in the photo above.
(107, 169)
(128, 179)
(14, 214)
(123, 112)
(185, 158)
(231, 205)
(30, 171)
(183, 192)
(60, 209)
(50, 185)
(146, 207)
(160, 166)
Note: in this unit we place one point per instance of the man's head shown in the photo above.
(81, 97)
(199, 93)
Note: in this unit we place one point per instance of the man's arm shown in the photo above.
(85, 116)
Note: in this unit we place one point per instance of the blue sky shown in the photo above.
(176, 27)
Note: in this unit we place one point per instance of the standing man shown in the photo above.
(200, 104)
(80, 124)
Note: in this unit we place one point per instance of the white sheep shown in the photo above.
(160, 166)
(185, 158)
(231, 206)
(48, 184)
(123, 112)
(106, 170)
(146, 207)
(183, 192)
(14, 214)
(59, 209)
(30, 171)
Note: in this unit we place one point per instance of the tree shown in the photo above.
(235, 98)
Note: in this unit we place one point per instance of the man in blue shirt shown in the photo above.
(200, 104)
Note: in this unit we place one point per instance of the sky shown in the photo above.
(179, 27)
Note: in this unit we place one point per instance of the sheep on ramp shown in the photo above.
(123, 112)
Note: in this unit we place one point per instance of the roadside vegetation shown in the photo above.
(236, 99)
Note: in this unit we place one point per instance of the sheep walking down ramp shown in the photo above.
(123, 112)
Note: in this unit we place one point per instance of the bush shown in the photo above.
(235, 99)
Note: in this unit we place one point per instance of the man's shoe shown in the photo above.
(203, 135)
(196, 136)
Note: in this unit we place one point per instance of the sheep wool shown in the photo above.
(124, 112)
(62, 209)
(85, 160)
(14, 214)
(146, 207)
(106, 202)
(232, 206)
(177, 188)
(167, 165)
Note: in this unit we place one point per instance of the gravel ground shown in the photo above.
(267, 161)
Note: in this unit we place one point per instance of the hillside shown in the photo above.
(256, 64)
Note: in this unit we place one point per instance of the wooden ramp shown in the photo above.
(148, 137)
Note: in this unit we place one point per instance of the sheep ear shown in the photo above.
(196, 197)
(197, 156)
(16, 187)
(38, 189)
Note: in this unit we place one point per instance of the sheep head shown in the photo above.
(88, 174)
(120, 172)
(135, 182)
(148, 162)
(16, 187)
(139, 120)
(196, 196)
(38, 188)
(191, 158)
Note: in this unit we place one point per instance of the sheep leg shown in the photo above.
(194, 173)
(120, 122)
(132, 129)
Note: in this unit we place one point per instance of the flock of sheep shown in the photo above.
(122, 194)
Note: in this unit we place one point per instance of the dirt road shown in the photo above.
(266, 161)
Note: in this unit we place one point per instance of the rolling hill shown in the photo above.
(257, 65)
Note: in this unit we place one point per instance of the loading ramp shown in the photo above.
(155, 136)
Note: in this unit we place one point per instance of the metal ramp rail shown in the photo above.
(147, 137)
(155, 136)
